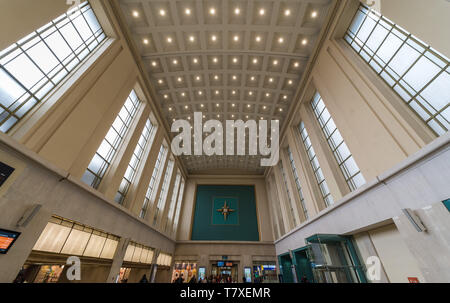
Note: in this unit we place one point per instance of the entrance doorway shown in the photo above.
(224, 271)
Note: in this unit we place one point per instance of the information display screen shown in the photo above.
(7, 239)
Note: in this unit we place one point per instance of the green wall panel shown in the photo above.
(210, 224)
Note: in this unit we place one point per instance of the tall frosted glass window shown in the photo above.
(164, 190)
(337, 145)
(316, 166)
(33, 66)
(153, 180)
(297, 183)
(417, 72)
(146, 136)
(288, 193)
(111, 143)
(179, 203)
(173, 200)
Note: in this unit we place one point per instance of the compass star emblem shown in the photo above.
(226, 210)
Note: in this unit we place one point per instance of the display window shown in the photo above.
(184, 270)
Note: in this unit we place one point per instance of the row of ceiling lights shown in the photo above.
(236, 38)
(235, 60)
(213, 12)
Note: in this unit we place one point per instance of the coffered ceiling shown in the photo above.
(230, 60)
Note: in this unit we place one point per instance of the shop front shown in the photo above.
(265, 272)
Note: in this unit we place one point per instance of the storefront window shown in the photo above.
(265, 272)
(184, 270)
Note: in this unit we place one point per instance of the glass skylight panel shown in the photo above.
(297, 183)
(153, 180)
(337, 145)
(33, 66)
(111, 143)
(291, 205)
(163, 195)
(418, 73)
(130, 174)
(316, 166)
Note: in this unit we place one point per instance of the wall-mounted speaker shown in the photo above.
(414, 219)
(28, 215)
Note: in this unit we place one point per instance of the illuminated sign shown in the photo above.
(7, 239)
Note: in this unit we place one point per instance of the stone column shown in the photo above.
(430, 248)
(12, 262)
(118, 259)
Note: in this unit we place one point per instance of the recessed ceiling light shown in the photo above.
(250, 93)
(262, 11)
(216, 77)
(145, 41)
(281, 40)
(234, 105)
(246, 117)
(160, 81)
(179, 79)
(217, 105)
(290, 82)
(198, 78)
(162, 12)
(212, 11)
(271, 80)
(287, 12)
(248, 105)
(218, 116)
(233, 92)
(189, 118)
(258, 39)
(165, 96)
(232, 116)
(135, 14)
(195, 60)
(188, 11)
(154, 63)
(284, 97)
(213, 37)
(255, 61)
(183, 94)
(237, 11)
(234, 77)
(170, 108)
(215, 60)
(314, 14)
(235, 60)
(267, 95)
(304, 41)
(252, 78)
(202, 105)
(192, 38)
(217, 92)
(169, 39)
(175, 62)
(236, 38)
(275, 62)
(264, 107)
(200, 93)
(296, 64)
(281, 109)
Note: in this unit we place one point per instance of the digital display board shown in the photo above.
(220, 264)
(5, 172)
(7, 239)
